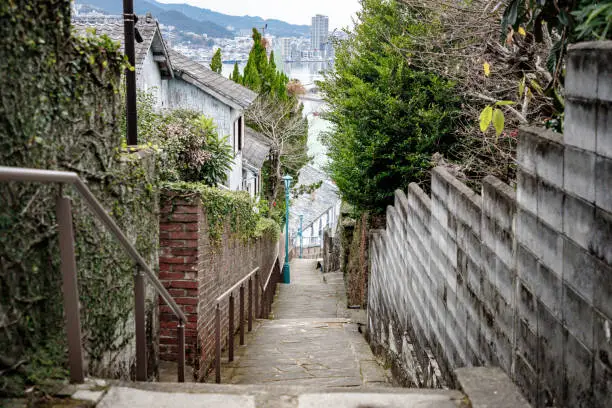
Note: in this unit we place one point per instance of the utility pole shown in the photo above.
(129, 23)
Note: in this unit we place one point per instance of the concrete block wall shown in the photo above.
(521, 280)
(196, 271)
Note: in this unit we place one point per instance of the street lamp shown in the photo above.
(301, 234)
(286, 272)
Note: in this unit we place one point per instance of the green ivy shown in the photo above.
(59, 109)
(235, 209)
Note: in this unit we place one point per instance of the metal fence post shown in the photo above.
(250, 304)
(218, 344)
(257, 289)
(241, 315)
(230, 334)
(180, 331)
(141, 335)
(70, 289)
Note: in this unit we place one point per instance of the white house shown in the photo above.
(320, 208)
(152, 62)
(178, 82)
(195, 86)
(255, 153)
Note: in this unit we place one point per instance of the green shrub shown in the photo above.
(388, 118)
(191, 149)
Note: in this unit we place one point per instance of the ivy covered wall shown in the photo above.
(59, 109)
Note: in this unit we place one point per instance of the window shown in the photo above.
(238, 134)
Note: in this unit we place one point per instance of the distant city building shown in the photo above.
(285, 48)
(319, 31)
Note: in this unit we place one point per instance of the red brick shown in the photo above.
(185, 284)
(185, 209)
(176, 292)
(183, 251)
(166, 340)
(163, 308)
(171, 243)
(191, 226)
(186, 301)
(166, 324)
(184, 217)
(188, 267)
(171, 227)
(171, 260)
(164, 267)
(170, 275)
(183, 235)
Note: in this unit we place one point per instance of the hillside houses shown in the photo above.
(178, 82)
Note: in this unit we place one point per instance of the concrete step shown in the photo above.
(167, 395)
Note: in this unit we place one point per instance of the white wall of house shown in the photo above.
(183, 95)
(250, 181)
(150, 80)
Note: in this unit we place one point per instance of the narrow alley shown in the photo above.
(311, 339)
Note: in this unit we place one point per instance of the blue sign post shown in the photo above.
(286, 270)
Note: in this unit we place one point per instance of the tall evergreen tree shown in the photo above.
(388, 118)
(217, 63)
(235, 76)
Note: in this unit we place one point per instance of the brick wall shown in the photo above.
(521, 280)
(196, 271)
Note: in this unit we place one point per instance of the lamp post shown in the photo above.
(286, 272)
(301, 234)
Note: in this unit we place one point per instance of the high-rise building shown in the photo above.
(285, 48)
(318, 33)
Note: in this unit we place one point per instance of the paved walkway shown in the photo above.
(311, 339)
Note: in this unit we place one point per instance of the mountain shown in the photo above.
(275, 27)
(168, 17)
(200, 20)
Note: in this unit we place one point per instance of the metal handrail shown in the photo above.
(237, 285)
(65, 177)
(265, 286)
(68, 177)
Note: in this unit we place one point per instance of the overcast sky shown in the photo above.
(340, 12)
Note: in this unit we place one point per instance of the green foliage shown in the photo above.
(595, 21)
(235, 76)
(216, 64)
(234, 209)
(60, 110)
(192, 150)
(567, 22)
(260, 73)
(388, 117)
(491, 114)
(188, 145)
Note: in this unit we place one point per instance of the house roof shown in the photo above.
(211, 82)
(256, 148)
(112, 26)
(313, 205)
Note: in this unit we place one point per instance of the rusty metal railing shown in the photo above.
(69, 275)
(256, 306)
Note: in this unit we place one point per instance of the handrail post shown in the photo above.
(257, 289)
(218, 345)
(141, 335)
(180, 331)
(242, 315)
(230, 334)
(70, 289)
(250, 304)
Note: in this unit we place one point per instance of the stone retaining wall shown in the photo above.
(521, 280)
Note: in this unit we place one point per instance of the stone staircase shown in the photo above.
(310, 353)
